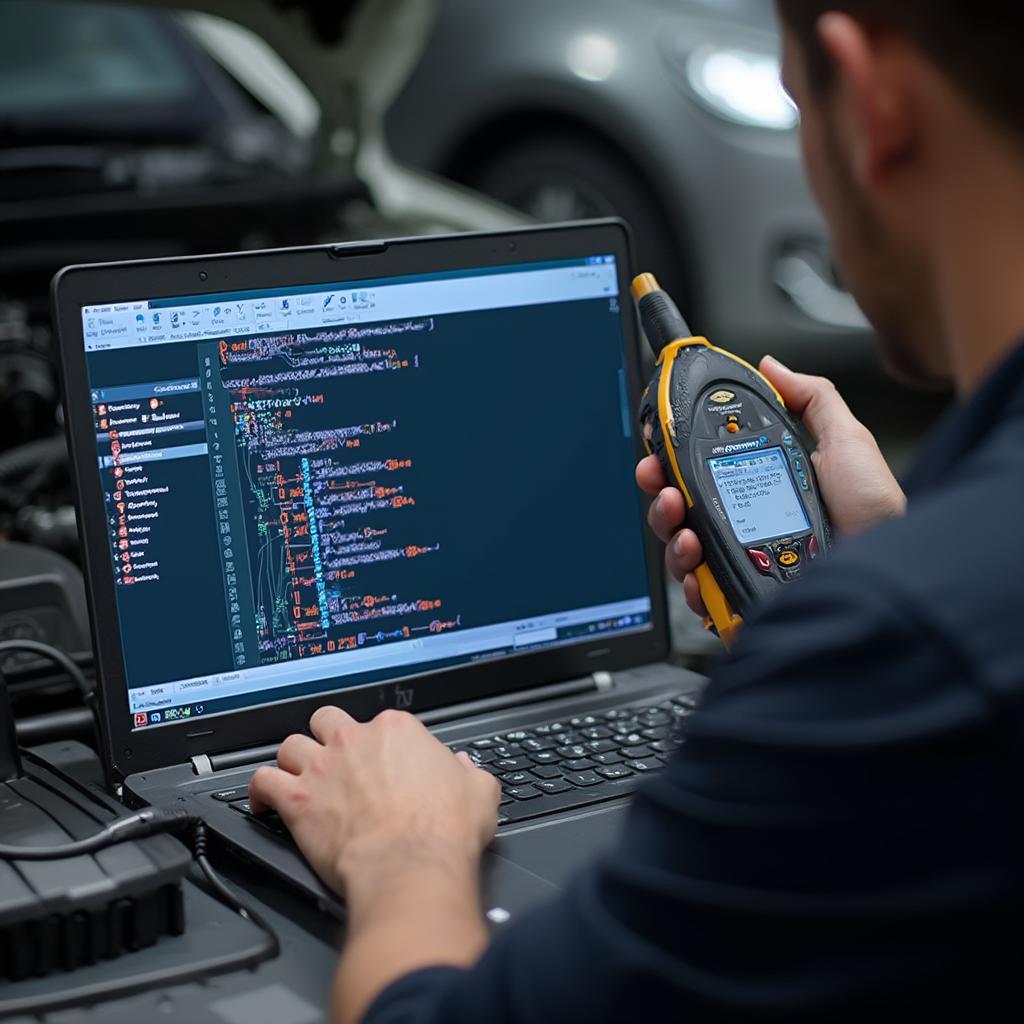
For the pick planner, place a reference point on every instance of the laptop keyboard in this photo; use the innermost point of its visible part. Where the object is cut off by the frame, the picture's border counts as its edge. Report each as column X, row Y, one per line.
column 558, row 765
column 578, row 761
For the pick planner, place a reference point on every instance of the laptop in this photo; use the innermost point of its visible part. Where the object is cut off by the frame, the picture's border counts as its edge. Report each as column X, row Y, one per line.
column 395, row 475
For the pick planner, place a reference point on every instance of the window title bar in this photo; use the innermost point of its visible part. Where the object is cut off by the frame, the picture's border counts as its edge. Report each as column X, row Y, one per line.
column 269, row 311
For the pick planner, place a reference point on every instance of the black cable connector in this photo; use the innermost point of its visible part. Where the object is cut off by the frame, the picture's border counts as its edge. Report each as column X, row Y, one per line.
column 136, row 826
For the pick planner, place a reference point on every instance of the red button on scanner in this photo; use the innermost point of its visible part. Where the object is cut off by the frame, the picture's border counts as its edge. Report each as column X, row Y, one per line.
column 812, row 548
column 761, row 560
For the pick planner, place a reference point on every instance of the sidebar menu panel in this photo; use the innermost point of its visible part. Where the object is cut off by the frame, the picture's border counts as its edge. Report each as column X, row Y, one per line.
column 153, row 454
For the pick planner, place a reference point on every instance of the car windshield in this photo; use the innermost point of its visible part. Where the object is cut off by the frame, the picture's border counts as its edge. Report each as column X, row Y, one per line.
column 57, row 57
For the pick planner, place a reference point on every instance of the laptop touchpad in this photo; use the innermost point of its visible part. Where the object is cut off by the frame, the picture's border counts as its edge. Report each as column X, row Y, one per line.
column 556, row 849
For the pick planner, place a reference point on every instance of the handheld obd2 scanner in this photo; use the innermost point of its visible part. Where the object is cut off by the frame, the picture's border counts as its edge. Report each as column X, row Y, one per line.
column 724, row 438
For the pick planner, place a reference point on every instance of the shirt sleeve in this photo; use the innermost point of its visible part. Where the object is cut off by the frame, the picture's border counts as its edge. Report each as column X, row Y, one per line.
column 821, row 844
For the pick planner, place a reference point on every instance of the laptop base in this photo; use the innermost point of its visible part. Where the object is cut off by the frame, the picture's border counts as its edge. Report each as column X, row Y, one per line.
column 528, row 862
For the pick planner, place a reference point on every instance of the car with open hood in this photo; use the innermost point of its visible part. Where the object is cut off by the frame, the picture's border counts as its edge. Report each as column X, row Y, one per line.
column 144, row 129
column 158, row 128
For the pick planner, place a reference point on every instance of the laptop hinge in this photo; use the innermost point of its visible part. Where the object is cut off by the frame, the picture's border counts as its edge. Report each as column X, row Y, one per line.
column 487, row 705
column 601, row 682
column 207, row 764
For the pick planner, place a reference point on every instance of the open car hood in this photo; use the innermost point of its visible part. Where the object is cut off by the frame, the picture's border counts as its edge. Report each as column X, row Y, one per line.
column 352, row 55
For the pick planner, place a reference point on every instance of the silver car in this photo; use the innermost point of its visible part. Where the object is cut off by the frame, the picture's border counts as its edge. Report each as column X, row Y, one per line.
column 667, row 112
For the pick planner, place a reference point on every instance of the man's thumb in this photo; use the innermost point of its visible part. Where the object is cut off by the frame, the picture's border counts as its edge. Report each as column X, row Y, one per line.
column 813, row 399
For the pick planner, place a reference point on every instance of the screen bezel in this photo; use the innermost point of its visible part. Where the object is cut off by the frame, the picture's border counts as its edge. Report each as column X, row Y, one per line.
column 127, row 751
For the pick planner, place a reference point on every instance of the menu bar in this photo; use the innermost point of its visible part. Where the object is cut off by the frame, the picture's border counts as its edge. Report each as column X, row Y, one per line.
column 134, row 324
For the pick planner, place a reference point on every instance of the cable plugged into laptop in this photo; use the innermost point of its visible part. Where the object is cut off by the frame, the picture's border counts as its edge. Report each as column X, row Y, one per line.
column 139, row 826
column 90, row 909
column 136, row 826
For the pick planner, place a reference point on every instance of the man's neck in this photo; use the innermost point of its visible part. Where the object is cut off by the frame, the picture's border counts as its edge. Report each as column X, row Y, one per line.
column 979, row 269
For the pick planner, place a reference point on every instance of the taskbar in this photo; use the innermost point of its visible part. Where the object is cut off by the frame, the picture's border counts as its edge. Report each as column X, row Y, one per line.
column 529, row 642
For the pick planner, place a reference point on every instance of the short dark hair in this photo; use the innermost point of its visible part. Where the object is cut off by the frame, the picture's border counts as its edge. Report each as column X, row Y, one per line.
column 976, row 44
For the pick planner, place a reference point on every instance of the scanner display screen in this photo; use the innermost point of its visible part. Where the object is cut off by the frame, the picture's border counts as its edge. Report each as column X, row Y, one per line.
column 758, row 495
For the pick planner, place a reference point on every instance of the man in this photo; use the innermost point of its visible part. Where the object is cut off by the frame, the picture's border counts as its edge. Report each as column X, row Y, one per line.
column 843, row 831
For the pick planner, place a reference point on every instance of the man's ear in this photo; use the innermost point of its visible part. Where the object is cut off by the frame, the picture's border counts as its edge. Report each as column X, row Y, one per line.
column 873, row 100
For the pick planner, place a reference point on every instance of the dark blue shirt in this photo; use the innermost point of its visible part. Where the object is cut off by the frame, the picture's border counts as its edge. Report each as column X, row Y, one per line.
column 842, row 834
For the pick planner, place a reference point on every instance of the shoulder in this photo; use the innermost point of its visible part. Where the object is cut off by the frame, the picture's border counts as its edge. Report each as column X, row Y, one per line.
column 952, row 569
column 914, row 622
column 906, row 615
column 847, row 644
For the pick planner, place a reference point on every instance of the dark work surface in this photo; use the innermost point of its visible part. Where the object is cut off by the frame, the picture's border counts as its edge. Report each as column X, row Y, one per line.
column 292, row 989
column 525, row 868
column 213, row 931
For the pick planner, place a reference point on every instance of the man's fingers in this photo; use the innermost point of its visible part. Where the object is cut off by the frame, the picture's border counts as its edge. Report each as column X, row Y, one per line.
column 269, row 789
column 650, row 477
column 296, row 752
column 667, row 513
column 328, row 721
column 814, row 399
column 691, row 590
column 481, row 776
column 490, row 793
column 683, row 555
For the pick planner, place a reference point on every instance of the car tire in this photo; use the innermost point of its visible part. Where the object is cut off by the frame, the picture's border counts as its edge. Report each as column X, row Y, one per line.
column 558, row 178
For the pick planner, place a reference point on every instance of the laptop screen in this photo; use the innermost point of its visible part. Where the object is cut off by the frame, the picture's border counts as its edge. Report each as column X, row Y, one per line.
column 321, row 487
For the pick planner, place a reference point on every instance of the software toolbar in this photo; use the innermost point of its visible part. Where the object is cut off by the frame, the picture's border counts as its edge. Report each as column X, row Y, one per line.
column 162, row 321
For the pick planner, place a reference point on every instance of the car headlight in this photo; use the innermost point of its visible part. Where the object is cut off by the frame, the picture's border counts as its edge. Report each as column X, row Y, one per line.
column 741, row 85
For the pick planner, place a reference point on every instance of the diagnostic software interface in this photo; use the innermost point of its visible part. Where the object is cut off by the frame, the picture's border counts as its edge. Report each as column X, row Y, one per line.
column 311, row 488
column 759, row 497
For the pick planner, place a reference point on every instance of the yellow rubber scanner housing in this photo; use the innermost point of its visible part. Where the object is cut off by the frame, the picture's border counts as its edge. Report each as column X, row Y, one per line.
column 721, row 616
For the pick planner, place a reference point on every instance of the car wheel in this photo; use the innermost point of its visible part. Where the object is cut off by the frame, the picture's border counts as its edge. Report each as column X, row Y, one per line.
column 566, row 178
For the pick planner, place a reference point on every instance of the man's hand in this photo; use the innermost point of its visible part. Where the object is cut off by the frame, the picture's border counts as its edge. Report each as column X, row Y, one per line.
column 855, row 480
column 390, row 817
column 359, row 797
